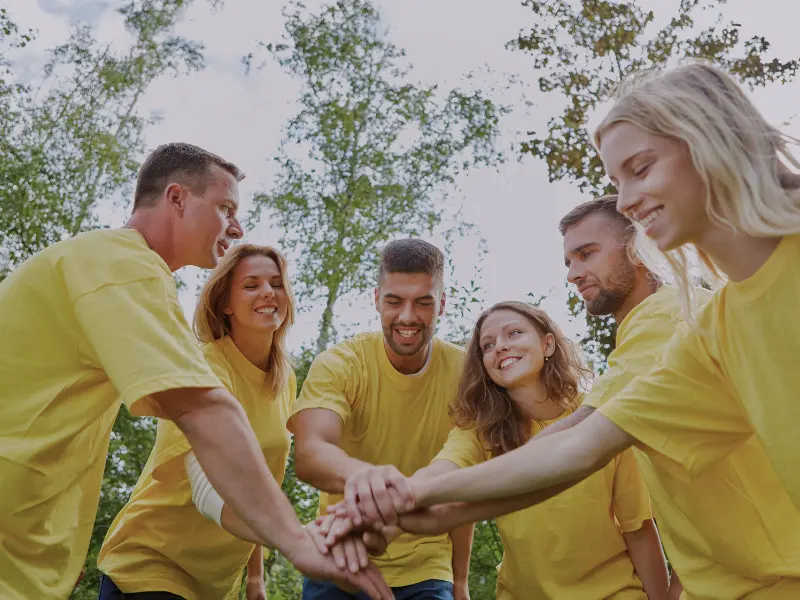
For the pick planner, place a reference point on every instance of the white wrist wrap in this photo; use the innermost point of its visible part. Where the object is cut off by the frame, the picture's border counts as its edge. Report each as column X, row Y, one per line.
column 204, row 496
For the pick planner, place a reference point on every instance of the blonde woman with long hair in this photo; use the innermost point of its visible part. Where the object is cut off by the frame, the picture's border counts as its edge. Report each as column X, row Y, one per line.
column 160, row 543
column 697, row 167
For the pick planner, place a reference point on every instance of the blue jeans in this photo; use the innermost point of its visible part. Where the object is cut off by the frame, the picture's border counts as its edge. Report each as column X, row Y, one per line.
column 432, row 589
column 110, row 591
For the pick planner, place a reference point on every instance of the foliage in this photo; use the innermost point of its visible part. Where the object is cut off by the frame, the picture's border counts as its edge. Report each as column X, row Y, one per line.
column 72, row 138
column 369, row 156
column 583, row 49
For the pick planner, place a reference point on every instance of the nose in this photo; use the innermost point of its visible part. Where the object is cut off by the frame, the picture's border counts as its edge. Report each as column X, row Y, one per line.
column 576, row 273
column 268, row 291
column 627, row 201
column 502, row 344
column 407, row 313
column 235, row 229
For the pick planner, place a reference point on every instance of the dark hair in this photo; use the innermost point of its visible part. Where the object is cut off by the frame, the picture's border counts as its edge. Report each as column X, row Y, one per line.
column 178, row 162
column 484, row 405
column 411, row 256
column 604, row 205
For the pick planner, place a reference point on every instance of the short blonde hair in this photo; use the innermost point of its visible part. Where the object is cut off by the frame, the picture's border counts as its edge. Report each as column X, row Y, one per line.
column 211, row 323
column 743, row 161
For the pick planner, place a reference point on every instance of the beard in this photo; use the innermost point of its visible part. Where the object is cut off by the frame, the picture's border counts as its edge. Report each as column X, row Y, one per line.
column 425, row 336
column 614, row 291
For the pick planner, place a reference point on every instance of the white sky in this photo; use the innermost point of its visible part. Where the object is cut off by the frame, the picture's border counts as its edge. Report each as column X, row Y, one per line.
column 241, row 116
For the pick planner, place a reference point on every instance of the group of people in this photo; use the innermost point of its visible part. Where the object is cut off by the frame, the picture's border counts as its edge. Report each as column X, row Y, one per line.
column 411, row 439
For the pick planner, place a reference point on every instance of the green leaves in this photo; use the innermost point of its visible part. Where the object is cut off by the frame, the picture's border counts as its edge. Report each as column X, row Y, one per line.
column 369, row 156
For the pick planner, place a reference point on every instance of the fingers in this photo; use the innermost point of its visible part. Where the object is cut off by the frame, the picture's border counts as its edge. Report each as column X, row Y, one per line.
column 403, row 497
column 351, row 552
column 325, row 523
column 380, row 496
column 339, row 529
column 317, row 537
column 366, row 506
column 372, row 582
column 339, row 556
column 351, row 500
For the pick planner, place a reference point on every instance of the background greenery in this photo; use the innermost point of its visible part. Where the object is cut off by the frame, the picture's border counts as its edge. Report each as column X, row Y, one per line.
column 350, row 178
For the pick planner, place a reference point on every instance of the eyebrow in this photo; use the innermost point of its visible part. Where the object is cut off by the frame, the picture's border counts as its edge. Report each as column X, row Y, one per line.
column 578, row 250
column 396, row 297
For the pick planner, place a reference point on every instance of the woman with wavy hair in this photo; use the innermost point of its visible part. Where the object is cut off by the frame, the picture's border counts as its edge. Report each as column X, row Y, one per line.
column 596, row 540
column 697, row 167
column 161, row 544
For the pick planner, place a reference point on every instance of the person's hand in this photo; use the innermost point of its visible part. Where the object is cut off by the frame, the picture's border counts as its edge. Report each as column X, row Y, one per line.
column 461, row 590
column 312, row 557
column 375, row 495
column 338, row 528
column 255, row 589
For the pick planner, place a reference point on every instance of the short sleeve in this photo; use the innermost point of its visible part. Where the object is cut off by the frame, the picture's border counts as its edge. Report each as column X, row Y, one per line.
column 683, row 409
column 462, row 448
column 630, row 501
column 639, row 348
column 138, row 335
column 332, row 382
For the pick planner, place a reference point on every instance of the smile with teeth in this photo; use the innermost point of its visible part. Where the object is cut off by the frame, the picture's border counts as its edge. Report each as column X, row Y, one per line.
column 507, row 362
column 650, row 217
column 407, row 333
column 266, row 310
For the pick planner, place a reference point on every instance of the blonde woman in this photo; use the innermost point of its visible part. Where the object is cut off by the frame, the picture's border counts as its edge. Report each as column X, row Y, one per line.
column 696, row 165
column 160, row 543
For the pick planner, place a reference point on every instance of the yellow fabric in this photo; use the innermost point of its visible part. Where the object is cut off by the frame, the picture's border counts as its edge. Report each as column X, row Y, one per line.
column 390, row 418
column 732, row 531
column 159, row 541
column 571, row 546
column 734, row 375
column 85, row 323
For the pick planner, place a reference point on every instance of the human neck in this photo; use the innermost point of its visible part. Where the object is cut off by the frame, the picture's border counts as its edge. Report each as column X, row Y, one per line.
column 156, row 232
column 254, row 346
column 408, row 365
column 646, row 285
column 737, row 254
column 532, row 400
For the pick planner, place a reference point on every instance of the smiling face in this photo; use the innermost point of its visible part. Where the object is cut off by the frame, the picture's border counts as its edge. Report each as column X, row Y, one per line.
column 598, row 263
column 257, row 300
column 657, row 183
column 409, row 304
column 513, row 349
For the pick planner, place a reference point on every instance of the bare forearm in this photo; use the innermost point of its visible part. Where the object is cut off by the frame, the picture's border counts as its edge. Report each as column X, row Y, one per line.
column 255, row 566
column 462, row 549
column 644, row 548
column 567, row 422
column 566, row 457
column 228, row 452
column 325, row 466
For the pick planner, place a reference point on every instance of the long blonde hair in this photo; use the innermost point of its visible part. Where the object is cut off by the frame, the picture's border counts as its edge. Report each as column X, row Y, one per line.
column 211, row 323
column 483, row 404
column 743, row 161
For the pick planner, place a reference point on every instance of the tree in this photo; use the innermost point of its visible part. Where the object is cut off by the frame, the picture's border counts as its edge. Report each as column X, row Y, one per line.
column 72, row 139
column 582, row 50
column 370, row 156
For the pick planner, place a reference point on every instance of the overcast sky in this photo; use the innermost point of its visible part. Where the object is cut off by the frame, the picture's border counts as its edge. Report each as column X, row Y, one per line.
column 241, row 116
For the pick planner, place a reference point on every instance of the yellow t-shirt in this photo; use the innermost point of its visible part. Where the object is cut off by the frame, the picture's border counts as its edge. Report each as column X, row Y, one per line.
column 85, row 324
column 159, row 541
column 731, row 531
column 390, row 419
column 569, row 547
column 736, row 374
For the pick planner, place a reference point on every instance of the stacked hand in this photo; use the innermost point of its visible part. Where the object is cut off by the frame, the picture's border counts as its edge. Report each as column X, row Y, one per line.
column 345, row 562
column 376, row 495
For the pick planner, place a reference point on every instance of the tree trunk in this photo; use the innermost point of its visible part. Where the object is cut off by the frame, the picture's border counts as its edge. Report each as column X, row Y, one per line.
column 326, row 322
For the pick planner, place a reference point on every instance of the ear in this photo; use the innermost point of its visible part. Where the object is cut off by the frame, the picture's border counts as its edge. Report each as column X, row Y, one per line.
column 549, row 345
column 227, row 310
column 175, row 196
column 378, row 299
column 442, row 303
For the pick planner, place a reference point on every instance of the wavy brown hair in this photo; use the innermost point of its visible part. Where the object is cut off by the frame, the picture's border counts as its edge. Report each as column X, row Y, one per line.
column 484, row 405
column 211, row 323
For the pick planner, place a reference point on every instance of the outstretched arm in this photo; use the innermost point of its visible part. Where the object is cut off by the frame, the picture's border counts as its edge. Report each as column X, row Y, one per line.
column 558, row 460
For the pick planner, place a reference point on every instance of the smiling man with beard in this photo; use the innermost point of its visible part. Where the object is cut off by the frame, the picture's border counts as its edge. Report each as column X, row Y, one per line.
column 375, row 408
